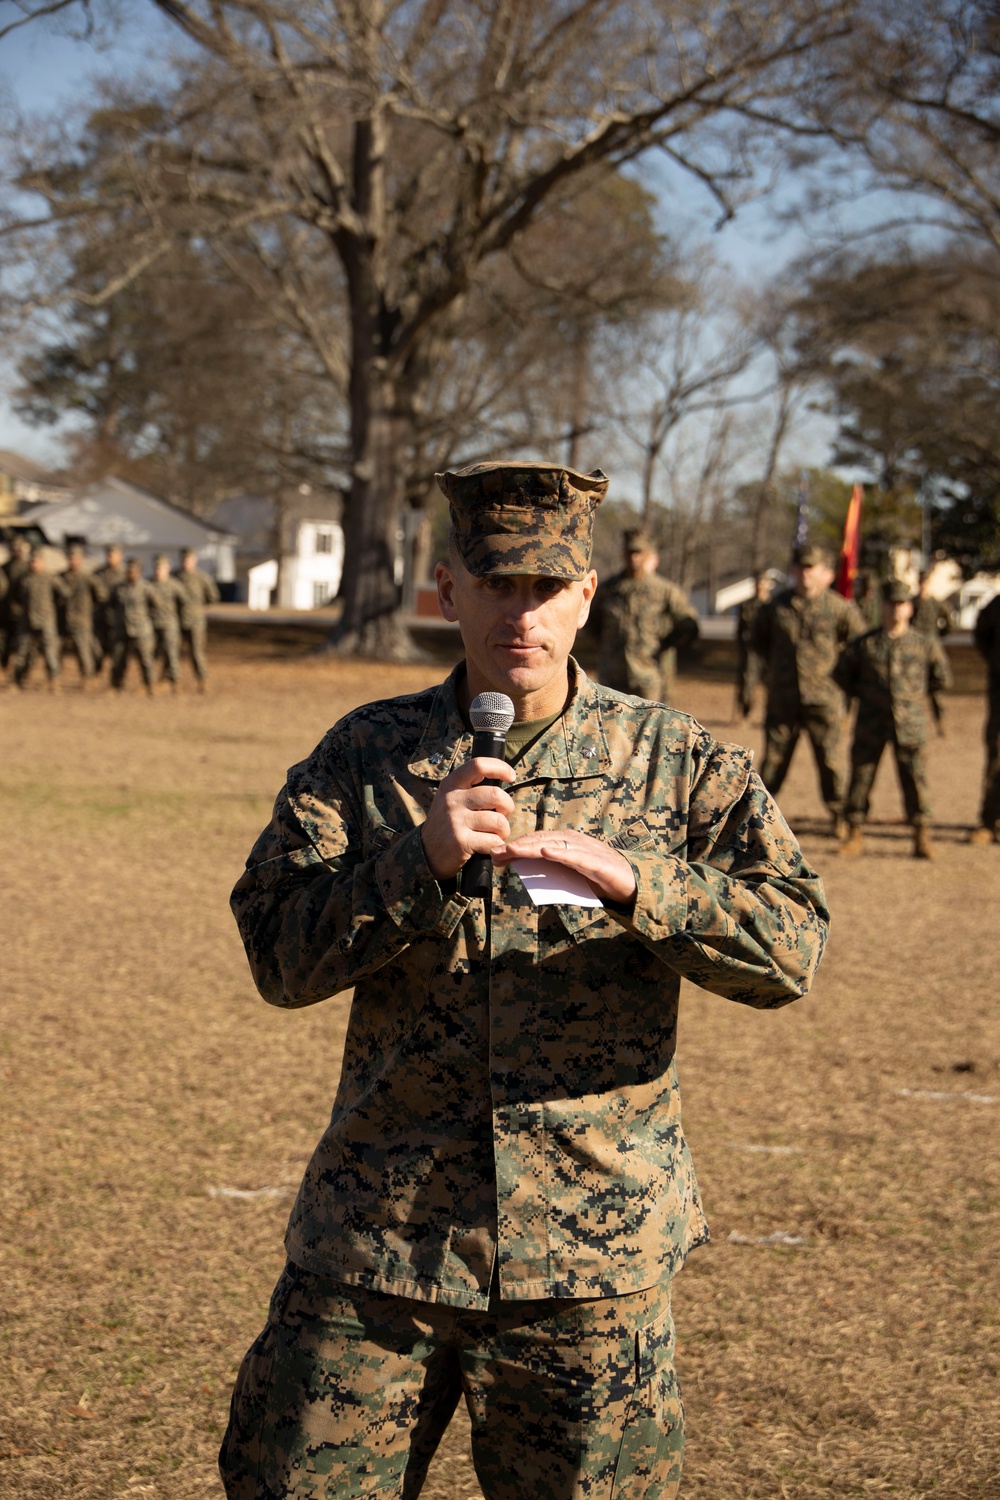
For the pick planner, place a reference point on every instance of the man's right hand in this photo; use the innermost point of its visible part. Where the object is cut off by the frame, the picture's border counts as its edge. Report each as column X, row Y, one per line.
column 467, row 817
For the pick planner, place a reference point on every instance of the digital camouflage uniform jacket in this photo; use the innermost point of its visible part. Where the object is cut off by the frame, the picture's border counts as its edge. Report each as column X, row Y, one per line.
column 508, row 1084
column 35, row 594
column 167, row 598
column 799, row 640
column 199, row 589
column 637, row 620
column 79, row 593
column 133, row 605
column 892, row 677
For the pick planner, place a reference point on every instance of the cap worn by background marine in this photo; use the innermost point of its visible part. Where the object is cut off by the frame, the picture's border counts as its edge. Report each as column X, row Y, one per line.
column 895, row 591
column 523, row 517
column 813, row 557
column 636, row 539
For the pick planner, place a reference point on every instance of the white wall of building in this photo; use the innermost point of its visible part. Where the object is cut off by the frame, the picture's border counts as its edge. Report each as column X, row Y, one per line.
column 309, row 577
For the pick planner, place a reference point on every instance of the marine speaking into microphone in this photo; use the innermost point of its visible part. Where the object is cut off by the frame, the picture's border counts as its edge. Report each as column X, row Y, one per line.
column 503, row 1194
column 491, row 715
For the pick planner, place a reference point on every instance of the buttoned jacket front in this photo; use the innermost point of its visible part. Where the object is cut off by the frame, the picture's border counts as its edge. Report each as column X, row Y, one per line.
column 892, row 678
column 799, row 640
column 508, row 1101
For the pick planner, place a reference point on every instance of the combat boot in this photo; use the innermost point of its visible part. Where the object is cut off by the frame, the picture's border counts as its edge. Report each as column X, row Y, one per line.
column 984, row 835
column 854, row 844
column 922, row 846
column 841, row 828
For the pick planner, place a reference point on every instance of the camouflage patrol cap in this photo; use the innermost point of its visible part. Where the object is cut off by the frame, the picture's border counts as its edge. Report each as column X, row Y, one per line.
column 895, row 591
column 522, row 516
column 813, row 557
column 636, row 539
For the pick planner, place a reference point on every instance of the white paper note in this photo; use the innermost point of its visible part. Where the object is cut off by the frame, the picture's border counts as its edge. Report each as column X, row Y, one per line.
column 552, row 884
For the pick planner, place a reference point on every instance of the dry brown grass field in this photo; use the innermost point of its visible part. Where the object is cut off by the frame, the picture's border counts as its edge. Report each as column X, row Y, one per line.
column 838, row 1338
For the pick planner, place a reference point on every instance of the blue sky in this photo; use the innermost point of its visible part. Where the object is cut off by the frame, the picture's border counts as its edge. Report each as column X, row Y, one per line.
column 43, row 69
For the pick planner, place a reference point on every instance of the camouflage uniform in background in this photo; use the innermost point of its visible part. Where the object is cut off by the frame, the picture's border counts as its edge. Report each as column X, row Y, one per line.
column 37, row 624
column 199, row 590
column 640, row 623
column 799, row 641
column 78, row 594
column 504, row 1190
column 868, row 599
column 891, row 677
column 931, row 617
column 133, row 602
column 986, row 634
column 749, row 662
column 166, row 599
column 4, row 615
column 106, row 580
column 14, row 569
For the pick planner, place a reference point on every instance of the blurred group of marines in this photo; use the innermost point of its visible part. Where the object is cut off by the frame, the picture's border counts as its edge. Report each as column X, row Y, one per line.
column 812, row 652
column 806, row 646
column 105, row 616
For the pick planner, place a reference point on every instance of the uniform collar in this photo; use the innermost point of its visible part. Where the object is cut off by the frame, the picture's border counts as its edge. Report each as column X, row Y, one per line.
column 574, row 746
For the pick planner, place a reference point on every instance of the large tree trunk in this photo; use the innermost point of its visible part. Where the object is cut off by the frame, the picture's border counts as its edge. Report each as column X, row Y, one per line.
column 371, row 623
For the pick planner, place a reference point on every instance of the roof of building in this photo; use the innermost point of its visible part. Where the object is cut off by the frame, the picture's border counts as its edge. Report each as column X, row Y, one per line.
column 252, row 517
column 19, row 467
column 112, row 510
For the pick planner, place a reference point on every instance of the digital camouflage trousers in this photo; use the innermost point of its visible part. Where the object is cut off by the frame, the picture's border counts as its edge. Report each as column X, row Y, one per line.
column 866, row 753
column 347, row 1392
column 824, row 728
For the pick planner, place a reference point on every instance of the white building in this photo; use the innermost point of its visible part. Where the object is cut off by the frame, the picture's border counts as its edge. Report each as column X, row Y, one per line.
column 111, row 511
column 973, row 595
column 304, row 572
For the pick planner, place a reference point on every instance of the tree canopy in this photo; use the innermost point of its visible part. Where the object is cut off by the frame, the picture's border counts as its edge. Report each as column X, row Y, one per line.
column 377, row 172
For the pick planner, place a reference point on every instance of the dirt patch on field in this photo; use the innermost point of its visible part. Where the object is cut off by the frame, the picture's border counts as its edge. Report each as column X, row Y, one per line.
column 839, row 1337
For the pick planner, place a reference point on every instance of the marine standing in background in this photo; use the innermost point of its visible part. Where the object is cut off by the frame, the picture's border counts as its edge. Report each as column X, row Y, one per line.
column 167, row 599
column 14, row 569
column 640, row 619
column 986, row 634
column 799, row 634
column 930, row 615
column 750, row 665
column 868, row 597
column 106, row 579
column 37, row 624
column 199, row 590
column 133, row 627
column 78, row 593
column 892, row 671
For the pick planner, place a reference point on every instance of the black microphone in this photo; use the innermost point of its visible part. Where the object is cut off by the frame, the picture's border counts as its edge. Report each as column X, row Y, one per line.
column 492, row 714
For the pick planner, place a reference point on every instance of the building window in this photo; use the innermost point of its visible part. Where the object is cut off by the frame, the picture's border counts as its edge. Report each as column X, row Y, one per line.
column 324, row 541
column 321, row 595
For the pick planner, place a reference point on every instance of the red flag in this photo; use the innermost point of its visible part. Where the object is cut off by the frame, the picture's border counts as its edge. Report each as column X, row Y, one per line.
column 850, row 547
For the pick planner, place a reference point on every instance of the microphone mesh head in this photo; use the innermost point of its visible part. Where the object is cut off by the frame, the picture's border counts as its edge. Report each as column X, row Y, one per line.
column 492, row 711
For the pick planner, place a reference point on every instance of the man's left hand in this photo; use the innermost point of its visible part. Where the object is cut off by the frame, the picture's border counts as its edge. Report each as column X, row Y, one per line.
column 607, row 870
